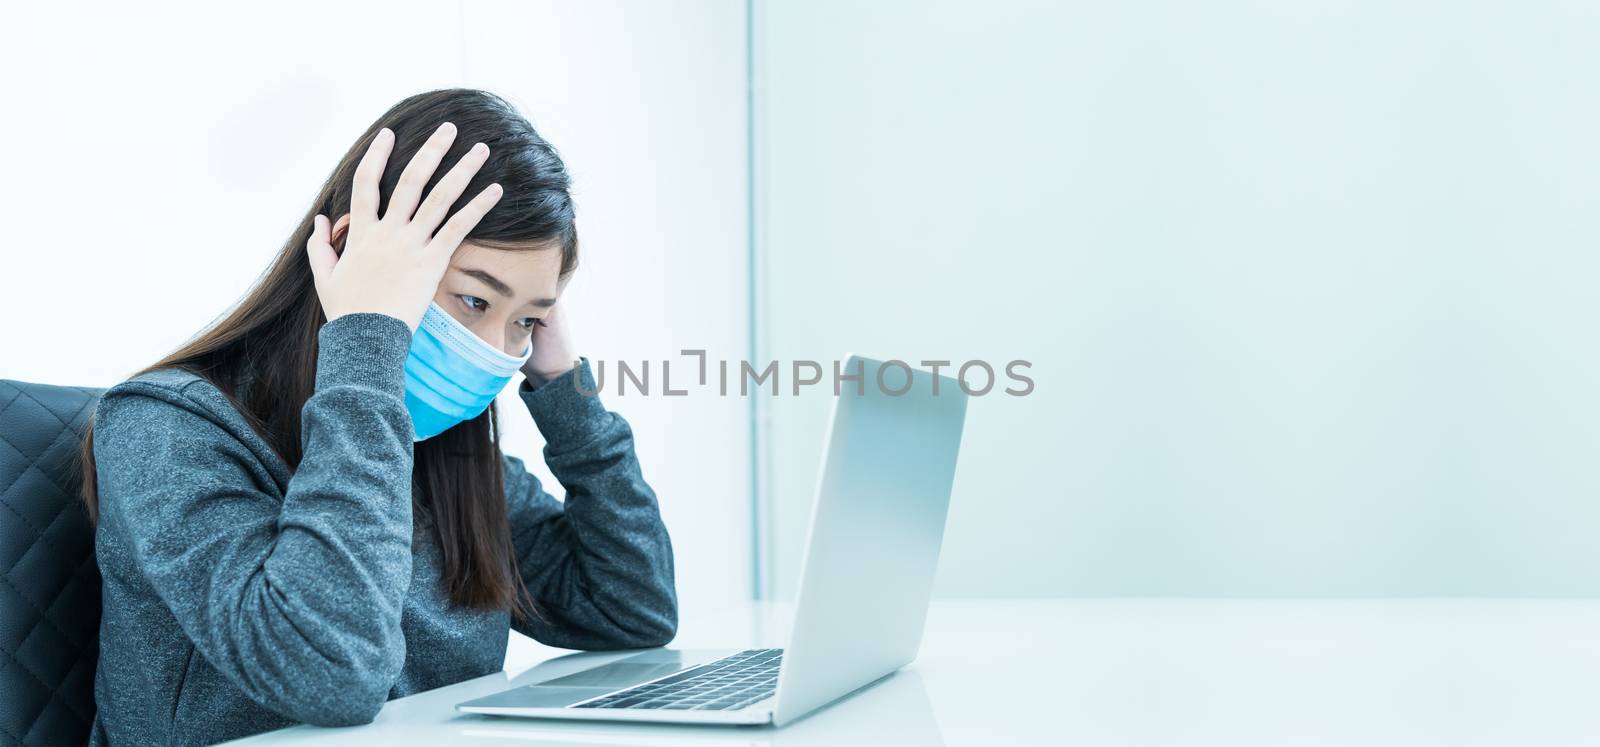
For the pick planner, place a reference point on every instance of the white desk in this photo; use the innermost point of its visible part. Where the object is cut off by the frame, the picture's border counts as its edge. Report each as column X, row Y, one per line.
column 1098, row 672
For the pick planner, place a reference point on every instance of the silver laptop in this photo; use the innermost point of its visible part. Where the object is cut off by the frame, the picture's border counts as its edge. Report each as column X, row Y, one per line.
column 865, row 580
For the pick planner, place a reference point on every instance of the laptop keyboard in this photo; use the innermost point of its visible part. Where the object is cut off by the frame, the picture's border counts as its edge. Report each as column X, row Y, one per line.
column 727, row 684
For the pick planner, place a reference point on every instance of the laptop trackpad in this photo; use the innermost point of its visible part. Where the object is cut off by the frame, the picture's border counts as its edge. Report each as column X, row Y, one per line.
column 596, row 681
column 590, row 683
column 539, row 696
column 615, row 675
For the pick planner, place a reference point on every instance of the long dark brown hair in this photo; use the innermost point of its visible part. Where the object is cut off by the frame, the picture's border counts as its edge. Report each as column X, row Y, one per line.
column 270, row 336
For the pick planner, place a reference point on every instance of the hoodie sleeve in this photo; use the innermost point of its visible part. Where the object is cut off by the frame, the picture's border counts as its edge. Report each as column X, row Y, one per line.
column 598, row 566
column 296, row 598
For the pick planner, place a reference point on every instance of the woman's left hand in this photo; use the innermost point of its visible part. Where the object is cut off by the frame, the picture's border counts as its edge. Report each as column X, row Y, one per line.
column 553, row 350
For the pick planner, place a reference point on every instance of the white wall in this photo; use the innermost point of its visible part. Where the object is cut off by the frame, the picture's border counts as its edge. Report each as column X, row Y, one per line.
column 1306, row 287
column 159, row 156
column 1309, row 287
column 646, row 102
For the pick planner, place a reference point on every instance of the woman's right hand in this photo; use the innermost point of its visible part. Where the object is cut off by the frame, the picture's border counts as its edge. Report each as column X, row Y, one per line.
column 393, row 264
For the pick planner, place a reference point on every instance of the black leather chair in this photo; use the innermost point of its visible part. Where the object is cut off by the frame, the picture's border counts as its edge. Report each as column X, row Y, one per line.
column 49, row 583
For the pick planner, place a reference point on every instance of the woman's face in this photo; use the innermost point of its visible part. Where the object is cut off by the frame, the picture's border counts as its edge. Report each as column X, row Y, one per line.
column 501, row 295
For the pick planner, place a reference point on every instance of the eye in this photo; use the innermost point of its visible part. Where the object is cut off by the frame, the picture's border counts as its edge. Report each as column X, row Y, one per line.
column 473, row 301
column 532, row 322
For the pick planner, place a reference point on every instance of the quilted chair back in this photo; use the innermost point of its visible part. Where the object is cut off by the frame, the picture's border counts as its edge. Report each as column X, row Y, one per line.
column 49, row 583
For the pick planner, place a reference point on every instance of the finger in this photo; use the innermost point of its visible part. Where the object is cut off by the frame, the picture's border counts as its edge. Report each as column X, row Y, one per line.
column 553, row 317
column 409, row 190
column 364, row 192
column 456, row 229
column 318, row 251
column 449, row 189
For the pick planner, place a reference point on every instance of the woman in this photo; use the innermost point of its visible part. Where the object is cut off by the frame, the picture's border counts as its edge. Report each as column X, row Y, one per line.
column 305, row 512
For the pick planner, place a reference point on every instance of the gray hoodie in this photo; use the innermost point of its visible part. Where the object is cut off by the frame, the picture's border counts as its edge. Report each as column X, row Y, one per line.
column 241, row 597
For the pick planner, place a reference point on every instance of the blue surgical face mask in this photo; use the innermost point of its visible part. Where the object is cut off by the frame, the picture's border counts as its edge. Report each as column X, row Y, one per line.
column 452, row 375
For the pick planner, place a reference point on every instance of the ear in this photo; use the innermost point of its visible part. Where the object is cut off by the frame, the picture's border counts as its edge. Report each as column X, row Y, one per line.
column 341, row 229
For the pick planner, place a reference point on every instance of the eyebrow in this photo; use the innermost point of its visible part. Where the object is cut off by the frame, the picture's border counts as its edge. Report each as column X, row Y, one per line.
column 499, row 287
